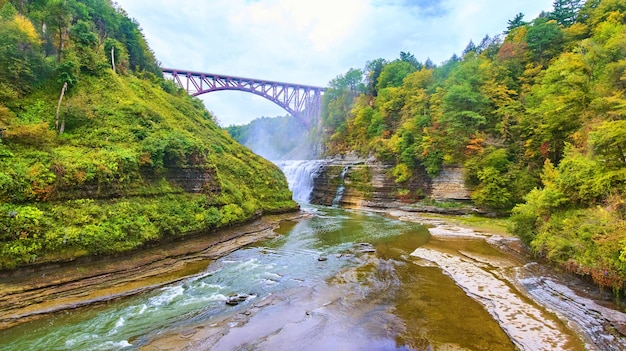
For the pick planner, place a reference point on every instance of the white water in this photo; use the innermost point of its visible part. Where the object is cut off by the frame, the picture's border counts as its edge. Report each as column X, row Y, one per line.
column 300, row 175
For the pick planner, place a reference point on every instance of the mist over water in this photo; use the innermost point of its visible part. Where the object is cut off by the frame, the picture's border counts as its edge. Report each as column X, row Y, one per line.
column 291, row 145
column 279, row 138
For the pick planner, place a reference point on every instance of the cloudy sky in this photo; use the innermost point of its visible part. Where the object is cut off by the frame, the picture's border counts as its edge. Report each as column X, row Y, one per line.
column 309, row 42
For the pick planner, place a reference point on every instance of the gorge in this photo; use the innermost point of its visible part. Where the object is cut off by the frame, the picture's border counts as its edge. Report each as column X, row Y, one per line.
column 130, row 219
column 400, row 281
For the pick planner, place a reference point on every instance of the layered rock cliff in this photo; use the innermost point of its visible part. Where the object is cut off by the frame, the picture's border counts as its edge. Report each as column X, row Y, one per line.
column 368, row 183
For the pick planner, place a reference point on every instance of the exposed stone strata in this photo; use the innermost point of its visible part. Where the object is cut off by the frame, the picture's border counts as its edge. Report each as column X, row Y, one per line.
column 327, row 181
column 192, row 179
column 380, row 189
column 449, row 185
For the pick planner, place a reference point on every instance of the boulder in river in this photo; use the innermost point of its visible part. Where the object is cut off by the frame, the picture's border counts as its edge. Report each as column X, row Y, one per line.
column 364, row 248
column 235, row 299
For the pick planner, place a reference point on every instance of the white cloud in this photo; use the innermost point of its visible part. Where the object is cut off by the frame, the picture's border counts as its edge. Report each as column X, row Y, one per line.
column 309, row 42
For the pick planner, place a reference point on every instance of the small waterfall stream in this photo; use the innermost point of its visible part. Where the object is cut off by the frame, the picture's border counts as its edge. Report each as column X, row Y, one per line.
column 300, row 175
column 342, row 187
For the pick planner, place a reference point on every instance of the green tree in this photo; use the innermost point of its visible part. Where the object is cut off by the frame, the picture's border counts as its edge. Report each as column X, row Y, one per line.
column 545, row 39
column 489, row 46
column 58, row 17
column 410, row 58
column 120, row 55
column 140, row 55
column 416, row 96
column 389, row 104
column 594, row 12
column 561, row 100
column 372, row 72
column 470, row 49
column 565, row 11
column 516, row 22
column 83, row 35
column 464, row 105
column 20, row 53
column 353, row 81
column 428, row 64
column 493, row 190
column 393, row 73
column 609, row 142
column 8, row 11
column 339, row 98
column 85, row 46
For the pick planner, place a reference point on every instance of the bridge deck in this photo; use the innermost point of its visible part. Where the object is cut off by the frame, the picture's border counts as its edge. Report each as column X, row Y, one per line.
column 225, row 76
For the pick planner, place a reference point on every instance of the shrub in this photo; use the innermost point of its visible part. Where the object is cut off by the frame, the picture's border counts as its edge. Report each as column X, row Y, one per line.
column 401, row 173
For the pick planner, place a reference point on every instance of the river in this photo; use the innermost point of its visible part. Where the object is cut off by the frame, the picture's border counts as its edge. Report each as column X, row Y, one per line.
column 334, row 280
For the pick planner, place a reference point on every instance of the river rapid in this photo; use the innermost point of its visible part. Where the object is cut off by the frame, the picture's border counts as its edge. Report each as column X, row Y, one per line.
column 339, row 279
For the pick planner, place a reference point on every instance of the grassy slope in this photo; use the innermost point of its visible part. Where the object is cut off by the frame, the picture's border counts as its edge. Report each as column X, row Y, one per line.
column 112, row 181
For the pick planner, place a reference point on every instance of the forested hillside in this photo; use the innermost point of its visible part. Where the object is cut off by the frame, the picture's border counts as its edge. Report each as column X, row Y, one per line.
column 536, row 116
column 98, row 153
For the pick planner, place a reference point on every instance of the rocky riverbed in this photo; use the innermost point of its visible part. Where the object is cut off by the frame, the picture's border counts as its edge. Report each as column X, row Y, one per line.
column 497, row 284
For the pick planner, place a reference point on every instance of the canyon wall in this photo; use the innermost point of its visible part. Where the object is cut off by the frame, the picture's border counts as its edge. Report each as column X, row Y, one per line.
column 368, row 183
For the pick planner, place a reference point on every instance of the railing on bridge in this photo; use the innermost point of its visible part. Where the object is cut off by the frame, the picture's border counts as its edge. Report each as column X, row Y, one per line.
column 301, row 101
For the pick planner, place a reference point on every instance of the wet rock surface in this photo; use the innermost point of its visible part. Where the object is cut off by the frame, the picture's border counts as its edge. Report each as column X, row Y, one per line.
column 313, row 317
column 604, row 328
column 498, row 284
column 235, row 299
column 364, row 248
column 526, row 324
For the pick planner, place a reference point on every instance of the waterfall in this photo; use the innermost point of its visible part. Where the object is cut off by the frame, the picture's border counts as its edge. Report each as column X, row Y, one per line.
column 342, row 187
column 300, row 175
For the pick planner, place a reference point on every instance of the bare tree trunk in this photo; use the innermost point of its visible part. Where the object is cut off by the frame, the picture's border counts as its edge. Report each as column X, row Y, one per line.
column 56, row 122
column 62, row 128
column 113, row 58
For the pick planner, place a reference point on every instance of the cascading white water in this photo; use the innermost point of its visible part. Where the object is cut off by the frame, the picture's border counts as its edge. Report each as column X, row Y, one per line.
column 342, row 187
column 300, row 176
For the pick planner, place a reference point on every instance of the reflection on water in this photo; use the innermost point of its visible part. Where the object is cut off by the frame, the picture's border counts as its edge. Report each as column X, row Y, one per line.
column 378, row 301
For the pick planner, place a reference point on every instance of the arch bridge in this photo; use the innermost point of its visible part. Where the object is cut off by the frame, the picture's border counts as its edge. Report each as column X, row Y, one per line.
column 304, row 102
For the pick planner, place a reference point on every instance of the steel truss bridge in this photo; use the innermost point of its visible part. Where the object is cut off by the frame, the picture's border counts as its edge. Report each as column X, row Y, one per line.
column 304, row 102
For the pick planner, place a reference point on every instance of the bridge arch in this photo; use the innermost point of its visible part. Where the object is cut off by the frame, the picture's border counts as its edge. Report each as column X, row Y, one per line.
column 301, row 101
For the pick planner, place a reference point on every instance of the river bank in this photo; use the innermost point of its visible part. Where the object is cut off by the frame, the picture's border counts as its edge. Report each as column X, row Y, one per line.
column 496, row 284
column 33, row 292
